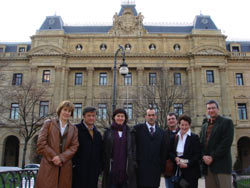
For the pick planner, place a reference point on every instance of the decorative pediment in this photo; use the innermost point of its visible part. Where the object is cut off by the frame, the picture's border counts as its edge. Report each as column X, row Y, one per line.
column 46, row 50
column 127, row 23
column 209, row 50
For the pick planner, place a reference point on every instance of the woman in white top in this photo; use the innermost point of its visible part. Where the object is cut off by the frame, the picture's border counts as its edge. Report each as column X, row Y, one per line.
column 187, row 152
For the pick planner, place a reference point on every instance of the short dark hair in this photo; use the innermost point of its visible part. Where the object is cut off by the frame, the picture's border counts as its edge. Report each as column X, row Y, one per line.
column 173, row 114
column 213, row 102
column 88, row 109
column 185, row 118
column 120, row 111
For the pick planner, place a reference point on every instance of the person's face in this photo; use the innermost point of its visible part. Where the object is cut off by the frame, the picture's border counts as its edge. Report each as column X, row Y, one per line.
column 171, row 122
column 212, row 110
column 90, row 118
column 119, row 118
column 65, row 114
column 151, row 117
column 184, row 127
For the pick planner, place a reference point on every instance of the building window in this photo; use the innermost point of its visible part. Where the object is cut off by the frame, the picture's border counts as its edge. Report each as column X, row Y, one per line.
column 102, row 111
column 77, row 111
column 46, row 76
column 21, row 49
column 17, row 79
column 78, row 47
column 128, row 47
column 152, row 47
column 177, row 78
column 235, row 49
column 152, row 78
column 239, row 79
column 177, row 47
column 128, row 79
column 103, row 79
column 242, row 111
column 129, row 109
column 78, row 78
column 178, row 109
column 44, row 108
column 103, row 47
column 14, row 111
column 1, row 49
column 210, row 76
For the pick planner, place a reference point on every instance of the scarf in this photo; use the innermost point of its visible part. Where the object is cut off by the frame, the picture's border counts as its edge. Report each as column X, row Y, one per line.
column 118, row 169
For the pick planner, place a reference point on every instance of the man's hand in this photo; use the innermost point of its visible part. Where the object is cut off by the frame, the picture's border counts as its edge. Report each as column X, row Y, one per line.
column 207, row 159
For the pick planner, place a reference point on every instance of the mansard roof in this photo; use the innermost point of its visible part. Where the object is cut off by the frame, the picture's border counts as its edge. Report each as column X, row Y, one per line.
column 244, row 45
column 132, row 7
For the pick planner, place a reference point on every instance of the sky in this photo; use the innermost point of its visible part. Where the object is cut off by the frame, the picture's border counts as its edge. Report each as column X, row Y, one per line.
column 19, row 20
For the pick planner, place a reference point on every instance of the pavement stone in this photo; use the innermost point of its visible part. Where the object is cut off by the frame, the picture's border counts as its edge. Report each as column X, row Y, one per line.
column 201, row 183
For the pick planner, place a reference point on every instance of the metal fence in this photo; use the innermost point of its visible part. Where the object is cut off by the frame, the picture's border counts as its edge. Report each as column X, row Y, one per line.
column 18, row 178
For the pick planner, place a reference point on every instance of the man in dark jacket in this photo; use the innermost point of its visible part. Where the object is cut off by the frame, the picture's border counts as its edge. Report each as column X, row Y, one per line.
column 216, row 139
column 170, row 134
column 151, row 151
column 87, row 162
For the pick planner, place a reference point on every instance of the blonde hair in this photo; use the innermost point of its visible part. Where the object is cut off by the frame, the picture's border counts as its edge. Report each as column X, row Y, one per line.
column 67, row 104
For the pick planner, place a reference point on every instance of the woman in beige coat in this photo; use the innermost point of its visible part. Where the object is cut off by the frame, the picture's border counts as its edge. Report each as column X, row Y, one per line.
column 57, row 143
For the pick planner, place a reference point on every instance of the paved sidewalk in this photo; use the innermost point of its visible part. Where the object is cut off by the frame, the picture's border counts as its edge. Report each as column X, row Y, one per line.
column 201, row 183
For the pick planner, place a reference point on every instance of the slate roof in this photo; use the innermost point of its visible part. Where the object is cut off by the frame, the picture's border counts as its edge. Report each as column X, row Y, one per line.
column 12, row 47
column 86, row 29
column 128, row 6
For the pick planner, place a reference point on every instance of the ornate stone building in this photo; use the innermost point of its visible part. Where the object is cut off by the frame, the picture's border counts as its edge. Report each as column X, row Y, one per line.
column 76, row 63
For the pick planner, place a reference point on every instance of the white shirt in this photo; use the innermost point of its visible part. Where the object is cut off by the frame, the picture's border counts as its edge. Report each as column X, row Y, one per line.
column 149, row 126
column 181, row 142
column 62, row 129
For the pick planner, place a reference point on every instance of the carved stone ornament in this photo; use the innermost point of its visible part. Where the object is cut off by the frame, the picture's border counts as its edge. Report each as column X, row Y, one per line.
column 47, row 51
column 210, row 51
column 127, row 23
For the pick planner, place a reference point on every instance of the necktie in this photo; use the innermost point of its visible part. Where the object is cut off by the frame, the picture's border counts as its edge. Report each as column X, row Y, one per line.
column 151, row 130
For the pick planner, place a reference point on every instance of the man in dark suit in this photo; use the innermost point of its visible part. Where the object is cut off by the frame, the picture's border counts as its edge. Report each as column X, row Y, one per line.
column 151, row 151
column 216, row 140
column 87, row 162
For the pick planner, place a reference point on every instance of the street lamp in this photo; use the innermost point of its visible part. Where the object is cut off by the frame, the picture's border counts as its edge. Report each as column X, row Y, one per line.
column 123, row 71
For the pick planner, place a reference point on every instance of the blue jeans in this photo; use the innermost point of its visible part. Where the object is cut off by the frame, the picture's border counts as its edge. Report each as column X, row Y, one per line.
column 119, row 186
column 168, row 182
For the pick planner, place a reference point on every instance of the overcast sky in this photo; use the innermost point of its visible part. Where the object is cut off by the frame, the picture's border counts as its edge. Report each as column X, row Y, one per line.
column 20, row 19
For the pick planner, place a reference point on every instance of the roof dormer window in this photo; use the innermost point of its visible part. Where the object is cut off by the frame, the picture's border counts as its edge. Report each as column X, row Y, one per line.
column 21, row 49
column 235, row 49
column 1, row 50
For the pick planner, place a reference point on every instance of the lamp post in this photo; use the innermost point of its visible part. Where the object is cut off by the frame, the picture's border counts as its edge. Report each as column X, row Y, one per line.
column 123, row 71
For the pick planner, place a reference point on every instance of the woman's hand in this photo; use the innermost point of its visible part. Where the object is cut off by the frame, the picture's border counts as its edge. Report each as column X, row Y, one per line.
column 177, row 160
column 183, row 165
column 57, row 161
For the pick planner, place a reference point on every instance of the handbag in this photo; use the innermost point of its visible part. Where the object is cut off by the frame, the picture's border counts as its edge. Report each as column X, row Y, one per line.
column 169, row 168
column 178, row 180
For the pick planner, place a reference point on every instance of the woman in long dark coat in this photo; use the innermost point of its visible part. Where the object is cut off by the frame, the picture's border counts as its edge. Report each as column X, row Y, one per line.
column 187, row 152
column 119, row 153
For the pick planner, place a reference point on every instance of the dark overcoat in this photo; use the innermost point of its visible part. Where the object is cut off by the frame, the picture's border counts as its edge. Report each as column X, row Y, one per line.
column 150, row 154
column 87, row 162
column 108, row 141
column 219, row 145
column 192, row 152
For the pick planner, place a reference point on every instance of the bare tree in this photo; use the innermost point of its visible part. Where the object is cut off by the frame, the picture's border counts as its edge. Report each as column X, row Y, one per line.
column 162, row 96
column 28, row 121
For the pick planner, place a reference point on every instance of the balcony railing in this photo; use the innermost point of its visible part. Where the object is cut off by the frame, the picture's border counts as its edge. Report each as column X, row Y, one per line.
column 18, row 178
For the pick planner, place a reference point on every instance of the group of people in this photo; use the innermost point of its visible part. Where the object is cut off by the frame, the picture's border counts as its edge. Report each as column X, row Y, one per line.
column 129, row 157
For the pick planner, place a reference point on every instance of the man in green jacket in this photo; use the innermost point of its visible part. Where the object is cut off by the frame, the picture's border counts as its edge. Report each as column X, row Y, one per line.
column 216, row 139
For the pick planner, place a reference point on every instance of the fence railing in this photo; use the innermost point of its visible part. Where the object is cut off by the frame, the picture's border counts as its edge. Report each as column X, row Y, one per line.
column 18, row 178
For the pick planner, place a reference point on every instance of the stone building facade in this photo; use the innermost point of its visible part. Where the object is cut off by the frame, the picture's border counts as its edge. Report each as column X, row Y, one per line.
column 76, row 63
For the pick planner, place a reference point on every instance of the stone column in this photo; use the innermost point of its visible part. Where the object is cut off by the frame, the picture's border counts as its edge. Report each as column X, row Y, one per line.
column 2, row 154
column 140, row 82
column 89, row 92
column 225, row 102
column 57, row 86
column 197, row 95
column 65, row 82
column 33, row 74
